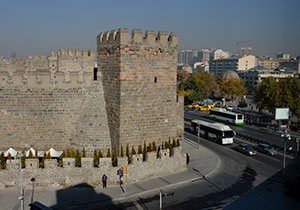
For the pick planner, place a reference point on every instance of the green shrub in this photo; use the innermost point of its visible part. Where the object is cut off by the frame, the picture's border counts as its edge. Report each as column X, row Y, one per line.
column 77, row 158
column 122, row 151
column 154, row 148
column 140, row 149
column 108, row 153
column 133, row 152
column 83, row 152
column 61, row 159
column 9, row 156
column 2, row 161
column 23, row 159
column 42, row 163
column 96, row 158
column 30, row 155
column 36, row 154
column 49, row 155
column 174, row 142
column 73, row 154
column 69, row 153
column 127, row 151
column 100, row 155
column 115, row 157
column 145, row 151
column 150, row 147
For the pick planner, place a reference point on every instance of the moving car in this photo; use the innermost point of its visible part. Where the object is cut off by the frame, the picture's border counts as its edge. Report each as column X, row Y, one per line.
column 266, row 149
column 246, row 149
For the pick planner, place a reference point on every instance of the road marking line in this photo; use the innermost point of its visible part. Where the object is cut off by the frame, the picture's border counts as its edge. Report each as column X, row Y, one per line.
column 137, row 205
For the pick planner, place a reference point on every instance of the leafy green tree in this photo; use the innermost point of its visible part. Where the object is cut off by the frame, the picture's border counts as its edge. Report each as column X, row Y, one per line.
column 83, row 152
column 232, row 88
column 202, row 85
column 2, row 161
column 271, row 93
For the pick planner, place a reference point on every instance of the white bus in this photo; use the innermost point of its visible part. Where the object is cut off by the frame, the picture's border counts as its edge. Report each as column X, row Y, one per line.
column 226, row 116
column 217, row 132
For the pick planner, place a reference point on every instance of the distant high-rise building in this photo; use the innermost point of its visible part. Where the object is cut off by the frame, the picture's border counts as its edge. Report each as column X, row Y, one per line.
column 219, row 66
column 244, row 51
column 203, row 55
column 283, row 55
column 219, row 54
column 246, row 62
column 268, row 63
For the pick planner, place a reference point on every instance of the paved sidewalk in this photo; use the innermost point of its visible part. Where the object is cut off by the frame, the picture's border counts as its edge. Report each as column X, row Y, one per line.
column 203, row 162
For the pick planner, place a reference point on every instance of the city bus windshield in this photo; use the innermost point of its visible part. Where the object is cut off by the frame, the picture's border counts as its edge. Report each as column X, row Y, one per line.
column 228, row 134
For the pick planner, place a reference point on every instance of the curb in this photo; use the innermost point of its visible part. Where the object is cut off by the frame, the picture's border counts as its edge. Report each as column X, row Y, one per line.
column 156, row 189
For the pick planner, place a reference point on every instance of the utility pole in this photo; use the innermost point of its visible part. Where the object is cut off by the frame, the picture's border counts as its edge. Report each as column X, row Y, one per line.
column 199, row 136
column 21, row 184
column 286, row 137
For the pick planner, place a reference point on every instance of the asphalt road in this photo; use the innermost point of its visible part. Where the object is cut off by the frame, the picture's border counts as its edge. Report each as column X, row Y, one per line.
column 260, row 133
column 236, row 175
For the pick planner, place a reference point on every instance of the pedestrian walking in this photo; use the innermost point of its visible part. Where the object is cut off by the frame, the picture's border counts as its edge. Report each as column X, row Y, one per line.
column 104, row 180
column 187, row 158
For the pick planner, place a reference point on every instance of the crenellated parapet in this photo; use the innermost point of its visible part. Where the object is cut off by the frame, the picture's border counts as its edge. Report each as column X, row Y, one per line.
column 121, row 37
column 62, row 66
column 53, row 174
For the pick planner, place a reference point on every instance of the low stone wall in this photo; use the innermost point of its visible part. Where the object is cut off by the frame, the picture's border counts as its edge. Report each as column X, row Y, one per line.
column 54, row 176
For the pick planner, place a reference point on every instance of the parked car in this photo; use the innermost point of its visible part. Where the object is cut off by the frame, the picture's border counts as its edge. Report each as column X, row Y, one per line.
column 266, row 149
column 246, row 149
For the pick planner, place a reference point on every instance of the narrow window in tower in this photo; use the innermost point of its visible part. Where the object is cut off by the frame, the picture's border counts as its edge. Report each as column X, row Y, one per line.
column 95, row 73
column 155, row 79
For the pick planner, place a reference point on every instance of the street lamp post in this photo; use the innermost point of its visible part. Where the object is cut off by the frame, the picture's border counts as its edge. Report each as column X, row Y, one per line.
column 21, row 185
column 286, row 137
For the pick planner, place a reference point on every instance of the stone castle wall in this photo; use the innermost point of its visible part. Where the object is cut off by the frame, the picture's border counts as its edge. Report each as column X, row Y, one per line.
column 69, row 175
column 139, row 79
column 52, row 101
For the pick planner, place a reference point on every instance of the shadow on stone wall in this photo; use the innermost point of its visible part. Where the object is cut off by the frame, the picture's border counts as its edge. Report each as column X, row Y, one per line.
column 82, row 196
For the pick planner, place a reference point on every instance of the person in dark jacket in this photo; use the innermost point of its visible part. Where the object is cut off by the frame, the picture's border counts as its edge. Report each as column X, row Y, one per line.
column 104, row 180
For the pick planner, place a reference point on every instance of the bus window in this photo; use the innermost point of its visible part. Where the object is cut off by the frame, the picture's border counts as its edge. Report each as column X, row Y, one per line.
column 240, row 117
column 228, row 134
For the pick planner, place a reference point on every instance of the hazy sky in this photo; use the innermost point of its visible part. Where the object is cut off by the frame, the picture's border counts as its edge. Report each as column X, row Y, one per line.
column 29, row 27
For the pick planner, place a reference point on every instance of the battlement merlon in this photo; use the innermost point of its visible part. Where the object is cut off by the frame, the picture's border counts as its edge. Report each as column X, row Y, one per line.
column 122, row 37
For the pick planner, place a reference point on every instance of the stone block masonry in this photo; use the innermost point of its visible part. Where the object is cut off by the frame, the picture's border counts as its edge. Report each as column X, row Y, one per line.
column 52, row 101
column 54, row 176
column 139, row 80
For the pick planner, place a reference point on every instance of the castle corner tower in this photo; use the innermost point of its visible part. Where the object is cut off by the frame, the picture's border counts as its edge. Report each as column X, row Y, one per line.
column 139, row 81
